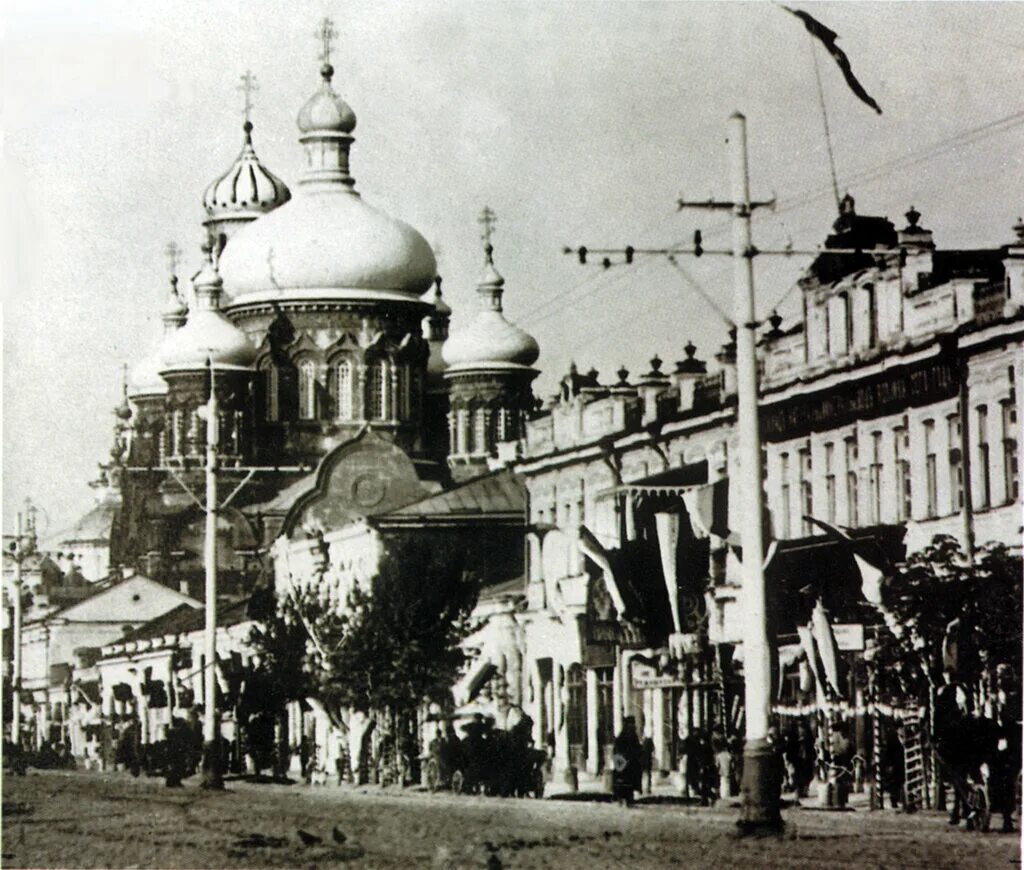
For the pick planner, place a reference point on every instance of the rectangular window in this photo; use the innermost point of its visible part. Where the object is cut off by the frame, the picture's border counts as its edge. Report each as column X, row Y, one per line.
column 956, row 465
column 875, row 477
column 806, row 495
column 852, row 494
column 872, row 315
column 1011, row 468
column 830, row 483
column 984, row 471
column 787, row 506
column 931, row 469
column 904, row 482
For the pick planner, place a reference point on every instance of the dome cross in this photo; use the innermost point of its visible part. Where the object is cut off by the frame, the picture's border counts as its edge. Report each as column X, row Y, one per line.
column 173, row 257
column 487, row 220
column 248, row 87
column 326, row 35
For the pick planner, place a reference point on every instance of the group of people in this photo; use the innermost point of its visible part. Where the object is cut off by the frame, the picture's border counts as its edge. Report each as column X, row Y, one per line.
column 711, row 763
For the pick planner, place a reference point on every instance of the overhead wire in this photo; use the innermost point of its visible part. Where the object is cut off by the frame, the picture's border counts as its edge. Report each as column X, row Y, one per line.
column 798, row 200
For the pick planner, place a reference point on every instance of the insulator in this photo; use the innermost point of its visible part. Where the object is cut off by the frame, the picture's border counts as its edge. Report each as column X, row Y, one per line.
column 606, row 263
column 583, row 256
column 698, row 243
column 629, row 253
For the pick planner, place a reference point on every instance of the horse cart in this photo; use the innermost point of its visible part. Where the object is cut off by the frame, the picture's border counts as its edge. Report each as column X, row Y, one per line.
column 486, row 760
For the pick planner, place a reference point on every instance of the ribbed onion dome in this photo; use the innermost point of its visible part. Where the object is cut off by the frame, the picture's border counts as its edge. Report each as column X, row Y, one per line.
column 490, row 341
column 247, row 190
column 326, row 242
column 145, row 379
column 208, row 334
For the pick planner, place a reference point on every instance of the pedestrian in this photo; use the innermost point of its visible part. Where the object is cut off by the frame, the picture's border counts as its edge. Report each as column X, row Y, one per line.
column 179, row 740
column 842, row 763
column 723, row 764
column 647, row 748
column 627, row 761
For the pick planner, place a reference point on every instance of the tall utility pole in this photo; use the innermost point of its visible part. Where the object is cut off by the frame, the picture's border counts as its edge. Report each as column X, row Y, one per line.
column 213, row 775
column 759, row 805
column 19, row 555
column 212, row 764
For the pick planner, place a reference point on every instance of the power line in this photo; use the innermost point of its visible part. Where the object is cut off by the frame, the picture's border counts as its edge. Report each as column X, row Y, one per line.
column 798, row 200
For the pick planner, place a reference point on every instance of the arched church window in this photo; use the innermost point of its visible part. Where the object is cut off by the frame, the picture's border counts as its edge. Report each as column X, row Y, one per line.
column 341, row 371
column 480, row 430
column 377, row 390
column 269, row 384
column 404, row 401
column 307, row 390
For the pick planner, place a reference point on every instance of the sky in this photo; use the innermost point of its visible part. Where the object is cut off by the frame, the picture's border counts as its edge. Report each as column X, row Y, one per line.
column 577, row 123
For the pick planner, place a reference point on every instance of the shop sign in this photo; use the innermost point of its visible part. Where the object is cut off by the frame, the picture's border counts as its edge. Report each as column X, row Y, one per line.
column 885, row 393
column 849, row 636
column 645, row 676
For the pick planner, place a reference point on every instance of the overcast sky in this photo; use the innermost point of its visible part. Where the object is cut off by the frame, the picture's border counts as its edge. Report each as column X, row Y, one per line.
column 577, row 123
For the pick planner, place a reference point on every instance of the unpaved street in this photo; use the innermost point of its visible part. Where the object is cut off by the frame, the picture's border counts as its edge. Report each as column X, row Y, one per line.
column 104, row 820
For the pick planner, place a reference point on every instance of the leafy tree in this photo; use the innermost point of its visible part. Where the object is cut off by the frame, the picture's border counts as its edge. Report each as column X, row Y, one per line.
column 958, row 615
column 396, row 643
column 277, row 676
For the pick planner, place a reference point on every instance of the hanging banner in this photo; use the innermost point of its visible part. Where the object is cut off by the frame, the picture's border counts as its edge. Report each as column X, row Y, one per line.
column 668, row 542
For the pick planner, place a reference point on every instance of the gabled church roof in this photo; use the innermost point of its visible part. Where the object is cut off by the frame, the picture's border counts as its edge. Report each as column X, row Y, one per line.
column 498, row 495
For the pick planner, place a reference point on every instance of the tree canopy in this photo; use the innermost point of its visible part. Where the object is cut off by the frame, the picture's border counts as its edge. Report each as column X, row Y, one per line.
column 960, row 616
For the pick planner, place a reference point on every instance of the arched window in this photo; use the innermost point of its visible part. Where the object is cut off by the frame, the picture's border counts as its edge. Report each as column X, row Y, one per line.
column 480, row 444
column 307, row 390
column 403, row 402
column 341, row 371
column 377, row 390
column 270, row 387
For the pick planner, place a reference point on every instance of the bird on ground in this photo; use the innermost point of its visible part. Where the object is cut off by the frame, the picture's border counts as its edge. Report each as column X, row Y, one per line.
column 307, row 838
column 338, row 835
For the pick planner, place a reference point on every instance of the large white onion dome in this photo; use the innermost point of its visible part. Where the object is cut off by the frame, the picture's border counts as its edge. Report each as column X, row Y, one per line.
column 326, row 241
column 144, row 379
column 208, row 334
column 490, row 341
column 247, row 190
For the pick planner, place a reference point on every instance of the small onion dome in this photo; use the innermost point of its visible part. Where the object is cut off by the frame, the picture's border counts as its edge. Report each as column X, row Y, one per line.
column 490, row 340
column 434, row 298
column 325, row 111
column 145, row 379
column 175, row 309
column 208, row 334
column 247, row 189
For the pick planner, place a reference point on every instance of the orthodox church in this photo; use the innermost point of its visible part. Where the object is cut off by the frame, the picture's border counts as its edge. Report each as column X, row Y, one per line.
column 321, row 323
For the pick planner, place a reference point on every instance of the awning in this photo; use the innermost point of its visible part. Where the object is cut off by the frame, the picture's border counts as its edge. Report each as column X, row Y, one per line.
column 673, row 481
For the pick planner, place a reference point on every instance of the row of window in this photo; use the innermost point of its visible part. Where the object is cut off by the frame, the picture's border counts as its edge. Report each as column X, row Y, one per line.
column 874, row 471
column 478, row 430
column 185, row 434
column 340, row 392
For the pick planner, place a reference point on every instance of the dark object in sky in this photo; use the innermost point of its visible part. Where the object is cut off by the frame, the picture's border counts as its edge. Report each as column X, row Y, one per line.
column 828, row 39
column 307, row 838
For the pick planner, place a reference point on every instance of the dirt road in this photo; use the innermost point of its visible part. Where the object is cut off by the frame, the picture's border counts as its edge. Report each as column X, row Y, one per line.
column 76, row 819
